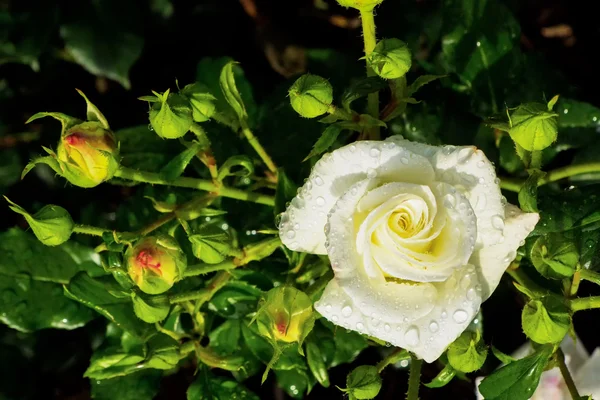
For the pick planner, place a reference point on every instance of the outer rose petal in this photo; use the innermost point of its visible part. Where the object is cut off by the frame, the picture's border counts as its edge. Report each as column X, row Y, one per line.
column 468, row 170
column 586, row 378
column 302, row 224
column 492, row 261
column 427, row 336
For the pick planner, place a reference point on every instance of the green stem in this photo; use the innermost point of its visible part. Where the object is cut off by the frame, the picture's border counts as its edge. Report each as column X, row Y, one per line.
column 204, row 294
column 414, row 378
column 585, row 303
column 590, row 276
column 392, row 358
column 514, row 185
column 253, row 140
column 560, row 358
column 368, row 26
column 187, row 348
column 575, row 283
column 201, row 269
column 192, row 183
column 89, row 230
column 536, row 159
column 156, row 224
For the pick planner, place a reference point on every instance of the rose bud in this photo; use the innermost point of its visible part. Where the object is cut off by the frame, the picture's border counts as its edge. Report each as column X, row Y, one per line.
column 286, row 315
column 89, row 153
column 390, row 59
column 311, row 95
column 155, row 263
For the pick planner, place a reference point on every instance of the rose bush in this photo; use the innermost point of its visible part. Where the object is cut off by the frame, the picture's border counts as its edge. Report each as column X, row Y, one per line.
column 417, row 235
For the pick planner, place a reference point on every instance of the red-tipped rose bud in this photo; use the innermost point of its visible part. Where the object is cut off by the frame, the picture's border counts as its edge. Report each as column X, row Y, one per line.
column 155, row 263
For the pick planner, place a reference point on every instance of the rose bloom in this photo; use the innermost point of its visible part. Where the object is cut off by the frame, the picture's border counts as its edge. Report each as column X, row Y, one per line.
column 417, row 236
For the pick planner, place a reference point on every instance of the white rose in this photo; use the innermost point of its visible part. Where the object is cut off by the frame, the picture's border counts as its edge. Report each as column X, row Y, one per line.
column 417, row 236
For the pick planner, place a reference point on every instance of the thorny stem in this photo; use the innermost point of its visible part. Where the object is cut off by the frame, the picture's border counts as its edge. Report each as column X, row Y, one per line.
column 193, row 183
column 585, row 303
column 590, row 276
column 414, row 378
column 392, row 358
column 368, row 26
column 90, row 230
column 514, row 184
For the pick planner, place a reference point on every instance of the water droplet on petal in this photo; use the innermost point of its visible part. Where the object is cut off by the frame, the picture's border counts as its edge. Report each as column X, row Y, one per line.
column 460, row 316
column 480, row 163
column 449, row 201
column 347, row 311
column 375, row 152
column 320, row 201
column 371, row 173
column 412, row 336
column 352, row 148
column 404, row 160
column 290, row 234
column 360, row 326
column 481, row 202
column 444, row 314
column 433, row 326
column 387, row 327
column 328, row 307
column 498, row 222
column 334, row 318
column 470, row 294
column 318, row 181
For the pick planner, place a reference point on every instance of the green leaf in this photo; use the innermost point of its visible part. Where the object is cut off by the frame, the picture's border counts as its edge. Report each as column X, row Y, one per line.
column 502, row 357
column 231, row 92
column 295, row 382
column 443, row 378
column 555, row 256
column 328, row 138
column 236, row 166
column 528, row 192
column 65, row 120
column 361, row 88
column 93, row 113
column 142, row 385
column 150, row 309
column 210, row 244
column 105, row 39
column 533, row 126
column 207, row 386
column 546, row 320
column 420, row 82
column 348, row 344
column 390, row 59
column 235, row 300
column 289, row 358
column 517, row 380
column 177, row 165
column 363, row 382
column 467, row 353
column 52, row 225
column 509, row 160
column 316, row 363
column 10, row 168
column 140, row 148
column 225, row 339
column 99, row 294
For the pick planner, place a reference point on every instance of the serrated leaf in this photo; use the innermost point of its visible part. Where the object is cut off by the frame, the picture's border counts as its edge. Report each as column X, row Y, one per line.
column 528, row 192
column 363, row 382
column 467, row 353
column 517, row 380
column 150, row 309
column 502, row 357
column 207, row 386
column 142, row 385
column 420, row 82
column 555, row 256
column 210, row 244
column 177, row 165
column 327, row 138
column 360, row 89
column 546, row 320
column 533, row 127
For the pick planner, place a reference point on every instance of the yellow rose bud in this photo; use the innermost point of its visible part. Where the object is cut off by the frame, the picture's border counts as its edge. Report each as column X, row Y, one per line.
column 155, row 263
column 88, row 151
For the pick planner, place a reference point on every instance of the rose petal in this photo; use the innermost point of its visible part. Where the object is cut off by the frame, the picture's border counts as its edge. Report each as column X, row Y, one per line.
column 492, row 261
column 467, row 169
column 428, row 336
column 586, row 378
column 302, row 225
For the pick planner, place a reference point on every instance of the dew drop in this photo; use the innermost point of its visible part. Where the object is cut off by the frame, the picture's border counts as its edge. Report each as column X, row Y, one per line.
column 498, row 222
column 334, row 318
column 433, row 326
column 465, row 282
column 471, row 294
column 412, row 336
column 360, row 326
column 387, row 327
column 352, row 148
column 290, row 234
column 375, row 152
column 319, row 181
column 353, row 191
column 460, row 316
column 328, row 307
column 320, row 201
column 480, row 163
column 444, row 314
column 481, row 202
column 347, row 311
column 449, row 201
column 371, row 173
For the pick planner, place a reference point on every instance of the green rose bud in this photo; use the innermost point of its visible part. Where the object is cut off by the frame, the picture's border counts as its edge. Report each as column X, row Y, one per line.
column 468, row 352
column 202, row 102
column 286, row 315
column 534, row 126
column 155, row 263
column 363, row 382
column 390, row 59
column 52, row 225
column 171, row 115
column 311, row 96
column 88, row 153
column 359, row 4
column 546, row 320
column 555, row 256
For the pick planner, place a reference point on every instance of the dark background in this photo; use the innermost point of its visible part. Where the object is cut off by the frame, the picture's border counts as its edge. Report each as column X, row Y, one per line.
column 173, row 46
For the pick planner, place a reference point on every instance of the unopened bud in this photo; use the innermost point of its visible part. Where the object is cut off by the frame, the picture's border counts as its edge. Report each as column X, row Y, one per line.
column 171, row 115
column 390, row 59
column 311, row 95
column 202, row 102
column 155, row 263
